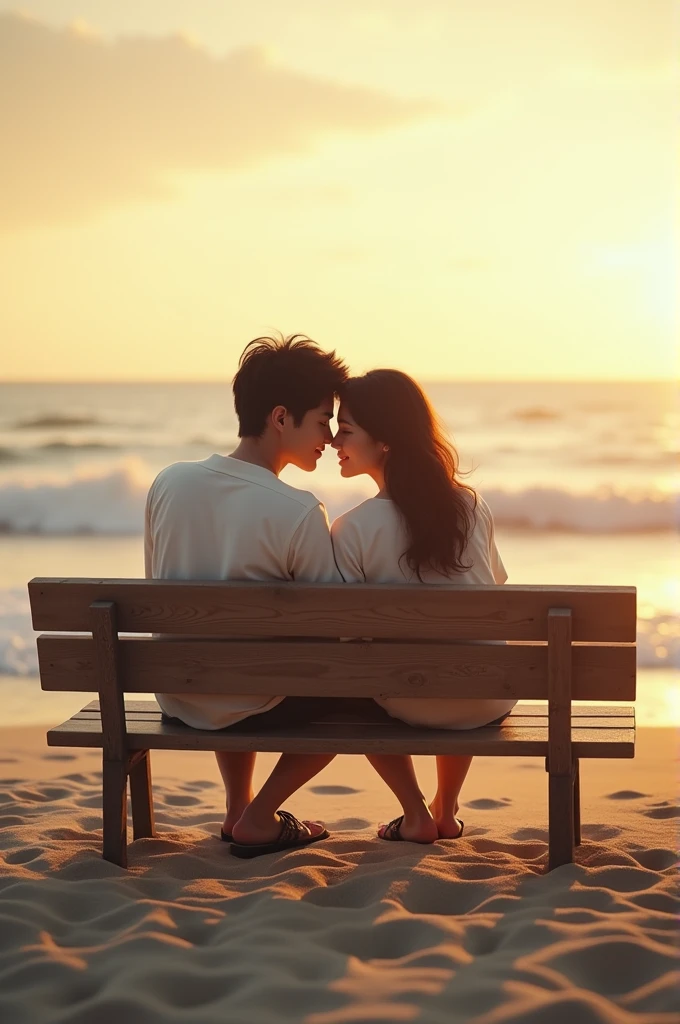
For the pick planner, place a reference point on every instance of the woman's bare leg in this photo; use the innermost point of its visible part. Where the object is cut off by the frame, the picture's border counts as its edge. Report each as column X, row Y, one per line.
column 236, row 769
column 451, row 772
column 397, row 771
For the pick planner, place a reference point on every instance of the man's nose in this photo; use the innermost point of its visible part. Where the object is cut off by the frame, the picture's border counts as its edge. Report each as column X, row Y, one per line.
column 328, row 436
column 335, row 443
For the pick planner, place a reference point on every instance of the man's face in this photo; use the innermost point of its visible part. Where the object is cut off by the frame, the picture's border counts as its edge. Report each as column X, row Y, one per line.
column 302, row 446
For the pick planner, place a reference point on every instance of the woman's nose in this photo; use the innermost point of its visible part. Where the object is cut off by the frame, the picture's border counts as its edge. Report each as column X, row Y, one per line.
column 335, row 443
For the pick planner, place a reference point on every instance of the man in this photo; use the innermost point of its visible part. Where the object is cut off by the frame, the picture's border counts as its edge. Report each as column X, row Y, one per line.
column 230, row 517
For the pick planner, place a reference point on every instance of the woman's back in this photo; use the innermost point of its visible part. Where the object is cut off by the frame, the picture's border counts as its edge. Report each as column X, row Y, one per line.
column 369, row 543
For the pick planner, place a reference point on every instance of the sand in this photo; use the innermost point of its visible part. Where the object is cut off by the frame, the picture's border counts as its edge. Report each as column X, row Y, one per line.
column 351, row 930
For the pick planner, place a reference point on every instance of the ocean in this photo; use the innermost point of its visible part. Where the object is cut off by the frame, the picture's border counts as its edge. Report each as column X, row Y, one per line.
column 582, row 479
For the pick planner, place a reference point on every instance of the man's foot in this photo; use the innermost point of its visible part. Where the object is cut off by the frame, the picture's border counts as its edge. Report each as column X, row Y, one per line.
column 292, row 834
column 422, row 830
column 249, row 831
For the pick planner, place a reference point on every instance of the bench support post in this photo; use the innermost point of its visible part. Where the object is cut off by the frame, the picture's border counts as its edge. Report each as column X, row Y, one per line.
column 114, row 734
column 577, row 803
column 560, row 761
column 141, row 796
column 114, row 811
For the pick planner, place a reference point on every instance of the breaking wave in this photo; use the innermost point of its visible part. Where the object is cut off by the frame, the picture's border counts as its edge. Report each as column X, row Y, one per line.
column 112, row 503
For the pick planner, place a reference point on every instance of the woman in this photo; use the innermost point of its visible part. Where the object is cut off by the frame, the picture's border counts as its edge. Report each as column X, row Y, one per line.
column 423, row 526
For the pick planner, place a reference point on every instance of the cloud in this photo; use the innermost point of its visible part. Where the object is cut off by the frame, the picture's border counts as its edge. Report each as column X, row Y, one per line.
column 88, row 123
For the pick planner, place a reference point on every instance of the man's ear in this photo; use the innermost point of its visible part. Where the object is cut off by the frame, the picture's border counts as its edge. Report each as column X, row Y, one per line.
column 278, row 417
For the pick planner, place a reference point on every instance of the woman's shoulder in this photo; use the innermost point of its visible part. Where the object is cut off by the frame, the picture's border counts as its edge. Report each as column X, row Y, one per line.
column 482, row 510
column 367, row 511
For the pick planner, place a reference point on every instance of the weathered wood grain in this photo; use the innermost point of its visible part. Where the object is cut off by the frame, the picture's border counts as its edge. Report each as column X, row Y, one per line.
column 355, row 739
column 521, row 710
column 560, row 762
column 236, row 609
column 317, row 668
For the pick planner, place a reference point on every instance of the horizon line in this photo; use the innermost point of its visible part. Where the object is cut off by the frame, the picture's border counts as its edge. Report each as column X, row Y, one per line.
column 422, row 380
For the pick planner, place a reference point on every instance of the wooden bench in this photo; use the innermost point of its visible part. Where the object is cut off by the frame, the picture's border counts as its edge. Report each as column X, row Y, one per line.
column 566, row 643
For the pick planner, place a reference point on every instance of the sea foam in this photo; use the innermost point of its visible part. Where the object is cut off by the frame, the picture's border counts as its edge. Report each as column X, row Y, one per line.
column 112, row 503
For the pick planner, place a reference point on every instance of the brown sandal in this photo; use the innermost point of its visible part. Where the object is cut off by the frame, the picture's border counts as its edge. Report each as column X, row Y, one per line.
column 293, row 833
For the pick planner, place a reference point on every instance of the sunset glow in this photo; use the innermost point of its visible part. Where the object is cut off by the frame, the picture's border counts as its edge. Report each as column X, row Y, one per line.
column 467, row 191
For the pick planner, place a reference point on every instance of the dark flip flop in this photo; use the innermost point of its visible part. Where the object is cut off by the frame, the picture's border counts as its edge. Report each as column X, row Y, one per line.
column 226, row 837
column 293, row 833
column 392, row 831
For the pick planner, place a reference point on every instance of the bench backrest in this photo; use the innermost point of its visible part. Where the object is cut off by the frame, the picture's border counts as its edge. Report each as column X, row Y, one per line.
column 283, row 639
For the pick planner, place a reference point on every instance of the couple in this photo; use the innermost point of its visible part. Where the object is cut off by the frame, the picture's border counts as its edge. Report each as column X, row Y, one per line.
column 231, row 518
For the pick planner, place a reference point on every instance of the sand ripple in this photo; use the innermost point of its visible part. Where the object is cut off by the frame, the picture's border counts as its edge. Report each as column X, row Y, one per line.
column 348, row 931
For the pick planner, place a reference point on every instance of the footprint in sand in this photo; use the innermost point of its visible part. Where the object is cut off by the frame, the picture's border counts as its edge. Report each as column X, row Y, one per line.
column 486, row 804
column 657, row 859
column 177, row 800
column 626, row 794
column 29, row 853
column 9, row 760
column 663, row 810
column 598, row 833
column 57, row 757
column 524, row 835
column 333, row 790
column 350, row 825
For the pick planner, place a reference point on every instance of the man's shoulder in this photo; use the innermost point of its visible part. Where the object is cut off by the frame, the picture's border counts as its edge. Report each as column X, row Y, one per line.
column 176, row 473
column 189, row 474
column 303, row 499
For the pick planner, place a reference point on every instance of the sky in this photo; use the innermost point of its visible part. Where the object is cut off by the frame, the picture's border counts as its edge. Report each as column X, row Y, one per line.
column 465, row 191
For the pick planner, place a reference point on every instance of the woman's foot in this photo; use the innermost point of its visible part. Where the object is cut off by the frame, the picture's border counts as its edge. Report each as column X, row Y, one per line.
column 450, row 828
column 448, row 825
column 413, row 829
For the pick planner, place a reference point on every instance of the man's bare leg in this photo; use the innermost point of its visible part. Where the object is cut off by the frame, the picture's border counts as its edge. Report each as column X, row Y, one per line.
column 397, row 771
column 451, row 772
column 236, row 769
column 258, row 822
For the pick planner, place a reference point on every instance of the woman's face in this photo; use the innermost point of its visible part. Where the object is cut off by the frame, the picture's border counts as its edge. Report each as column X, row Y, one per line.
column 357, row 452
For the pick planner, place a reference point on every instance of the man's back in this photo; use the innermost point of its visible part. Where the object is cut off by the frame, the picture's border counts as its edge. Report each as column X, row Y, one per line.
column 228, row 519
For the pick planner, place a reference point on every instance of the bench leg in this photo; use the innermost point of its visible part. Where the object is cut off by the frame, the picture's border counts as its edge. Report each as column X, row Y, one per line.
column 141, row 796
column 577, row 803
column 560, row 820
column 114, row 808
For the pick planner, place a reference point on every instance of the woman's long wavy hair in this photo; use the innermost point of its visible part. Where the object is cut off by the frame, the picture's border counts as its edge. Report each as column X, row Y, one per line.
column 421, row 468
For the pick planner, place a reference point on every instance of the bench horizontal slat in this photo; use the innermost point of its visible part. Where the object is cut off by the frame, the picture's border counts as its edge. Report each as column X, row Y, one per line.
column 524, row 710
column 516, row 722
column 334, row 669
column 355, row 738
column 238, row 609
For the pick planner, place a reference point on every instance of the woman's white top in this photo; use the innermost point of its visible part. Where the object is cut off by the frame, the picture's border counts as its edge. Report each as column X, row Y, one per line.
column 369, row 542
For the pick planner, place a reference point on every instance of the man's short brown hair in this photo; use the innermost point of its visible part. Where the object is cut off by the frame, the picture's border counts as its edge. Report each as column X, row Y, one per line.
column 289, row 371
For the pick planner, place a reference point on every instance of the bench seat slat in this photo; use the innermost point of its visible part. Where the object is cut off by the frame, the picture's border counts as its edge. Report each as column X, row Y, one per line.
column 518, row 722
column 394, row 737
column 537, row 710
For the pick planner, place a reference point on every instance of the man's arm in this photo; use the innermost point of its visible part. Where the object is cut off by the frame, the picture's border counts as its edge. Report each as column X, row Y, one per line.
column 347, row 551
column 310, row 555
column 148, row 540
